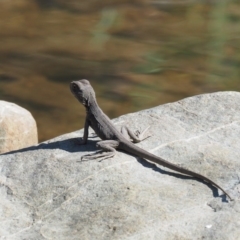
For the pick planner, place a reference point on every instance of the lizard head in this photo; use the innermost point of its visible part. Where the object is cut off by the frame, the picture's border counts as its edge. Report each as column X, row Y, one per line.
column 83, row 91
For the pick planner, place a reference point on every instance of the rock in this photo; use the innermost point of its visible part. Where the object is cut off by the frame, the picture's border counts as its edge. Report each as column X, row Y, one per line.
column 48, row 193
column 17, row 127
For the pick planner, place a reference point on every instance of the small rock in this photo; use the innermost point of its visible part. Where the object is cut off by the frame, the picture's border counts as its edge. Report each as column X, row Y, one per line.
column 18, row 128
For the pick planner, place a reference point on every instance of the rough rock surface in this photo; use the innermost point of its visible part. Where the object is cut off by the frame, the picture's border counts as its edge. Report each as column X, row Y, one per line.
column 18, row 128
column 48, row 193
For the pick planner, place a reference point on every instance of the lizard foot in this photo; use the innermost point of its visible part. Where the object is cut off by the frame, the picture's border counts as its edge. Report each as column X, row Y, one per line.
column 135, row 136
column 108, row 150
column 142, row 135
column 79, row 141
column 100, row 156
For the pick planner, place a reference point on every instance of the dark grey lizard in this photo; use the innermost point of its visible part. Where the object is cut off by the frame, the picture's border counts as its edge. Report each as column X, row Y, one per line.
column 114, row 139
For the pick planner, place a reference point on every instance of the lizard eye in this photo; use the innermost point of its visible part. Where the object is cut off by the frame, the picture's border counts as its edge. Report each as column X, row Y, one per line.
column 75, row 87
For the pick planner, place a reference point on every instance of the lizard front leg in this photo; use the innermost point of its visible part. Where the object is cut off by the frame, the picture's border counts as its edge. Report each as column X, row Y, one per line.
column 108, row 150
column 136, row 137
column 83, row 140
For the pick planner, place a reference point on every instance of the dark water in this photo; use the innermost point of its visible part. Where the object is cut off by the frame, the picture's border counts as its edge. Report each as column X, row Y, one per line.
column 137, row 54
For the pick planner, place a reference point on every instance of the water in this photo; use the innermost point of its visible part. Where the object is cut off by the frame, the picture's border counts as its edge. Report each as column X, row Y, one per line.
column 137, row 54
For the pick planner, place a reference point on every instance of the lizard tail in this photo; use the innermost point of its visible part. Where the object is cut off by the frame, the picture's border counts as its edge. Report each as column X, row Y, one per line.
column 131, row 148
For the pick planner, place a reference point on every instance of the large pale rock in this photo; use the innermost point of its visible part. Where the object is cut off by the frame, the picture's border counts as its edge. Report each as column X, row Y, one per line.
column 48, row 193
column 17, row 127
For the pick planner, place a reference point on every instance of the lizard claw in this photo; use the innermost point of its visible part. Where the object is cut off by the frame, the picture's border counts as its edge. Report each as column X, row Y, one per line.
column 141, row 135
column 137, row 133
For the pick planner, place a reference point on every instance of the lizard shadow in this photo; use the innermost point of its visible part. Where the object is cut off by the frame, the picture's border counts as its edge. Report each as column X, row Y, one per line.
column 69, row 145
column 72, row 146
column 155, row 168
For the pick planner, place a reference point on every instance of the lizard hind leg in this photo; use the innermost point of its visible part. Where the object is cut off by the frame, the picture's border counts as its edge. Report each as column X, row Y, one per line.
column 108, row 150
column 137, row 136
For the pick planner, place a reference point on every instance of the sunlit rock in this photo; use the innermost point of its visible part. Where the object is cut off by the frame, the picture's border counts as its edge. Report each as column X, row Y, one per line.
column 47, row 192
column 17, row 127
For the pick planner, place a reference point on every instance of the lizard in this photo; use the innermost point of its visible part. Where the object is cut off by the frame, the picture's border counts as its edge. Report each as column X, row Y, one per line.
column 113, row 139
